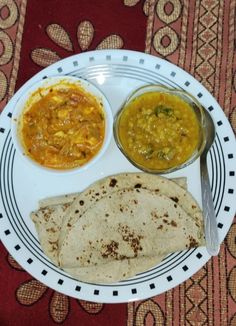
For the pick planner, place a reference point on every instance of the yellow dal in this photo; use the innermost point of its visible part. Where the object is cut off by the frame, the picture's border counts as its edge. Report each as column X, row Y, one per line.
column 159, row 130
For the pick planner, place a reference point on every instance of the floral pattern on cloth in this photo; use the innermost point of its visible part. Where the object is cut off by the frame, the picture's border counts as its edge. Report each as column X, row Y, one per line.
column 85, row 33
column 9, row 17
column 132, row 3
column 31, row 291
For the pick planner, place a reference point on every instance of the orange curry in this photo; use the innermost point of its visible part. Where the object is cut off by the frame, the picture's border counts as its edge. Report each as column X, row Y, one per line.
column 64, row 128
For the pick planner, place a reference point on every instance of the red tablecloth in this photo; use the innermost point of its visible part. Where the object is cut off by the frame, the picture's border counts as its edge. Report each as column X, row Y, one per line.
column 198, row 36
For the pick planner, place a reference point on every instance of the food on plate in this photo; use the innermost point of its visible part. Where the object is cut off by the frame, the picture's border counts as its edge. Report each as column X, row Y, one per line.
column 55, row 215
column 104, row 227
column 158, row 130
column 62, row 126
column 106, row 186
column 114, row 270
column 128, row 224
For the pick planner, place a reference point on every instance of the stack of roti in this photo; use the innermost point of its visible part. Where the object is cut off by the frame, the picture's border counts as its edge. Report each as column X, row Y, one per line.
column 119, row 226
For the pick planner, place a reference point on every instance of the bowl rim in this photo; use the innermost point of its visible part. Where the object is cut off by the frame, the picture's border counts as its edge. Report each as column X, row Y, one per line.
column 170, row 90
column 46, row 83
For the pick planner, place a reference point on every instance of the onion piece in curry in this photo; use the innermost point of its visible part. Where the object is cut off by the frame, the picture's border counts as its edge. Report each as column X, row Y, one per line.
column 64, row 128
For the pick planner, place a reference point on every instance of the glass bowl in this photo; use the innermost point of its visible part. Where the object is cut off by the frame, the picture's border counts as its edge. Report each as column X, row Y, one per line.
column 144, row 128
column 42, row 88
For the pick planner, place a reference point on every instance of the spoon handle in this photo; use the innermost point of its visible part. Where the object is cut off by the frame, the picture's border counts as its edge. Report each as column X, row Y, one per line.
column 212, row 238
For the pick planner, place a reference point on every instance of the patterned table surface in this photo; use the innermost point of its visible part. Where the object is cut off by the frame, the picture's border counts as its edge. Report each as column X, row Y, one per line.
column 196, row 35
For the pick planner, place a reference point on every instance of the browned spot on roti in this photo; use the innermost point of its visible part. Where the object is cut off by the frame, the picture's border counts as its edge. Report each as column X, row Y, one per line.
column 131, row 238
column 53, row 242
column 110, row 249
column 192, row 242
column 51, row 230
column 54, row 245
column 113, row 182
column 65, row 206
column 138, row 185
column 81, row 202
column 47, row 214
column 135, row 244
column 154, row 214
column 175, row 199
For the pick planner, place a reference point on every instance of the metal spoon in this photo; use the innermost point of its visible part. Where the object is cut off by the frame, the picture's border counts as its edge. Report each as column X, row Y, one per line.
column 211, row 234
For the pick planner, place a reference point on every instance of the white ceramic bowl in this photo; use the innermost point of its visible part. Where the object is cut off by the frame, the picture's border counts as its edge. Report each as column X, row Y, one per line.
column 50, row 82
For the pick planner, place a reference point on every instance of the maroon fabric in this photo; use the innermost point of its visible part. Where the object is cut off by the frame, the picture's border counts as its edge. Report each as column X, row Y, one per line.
column 27, row 308
column 108, row 17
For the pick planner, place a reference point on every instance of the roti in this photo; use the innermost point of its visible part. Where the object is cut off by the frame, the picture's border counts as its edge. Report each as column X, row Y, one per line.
column 111, row 272
column 125, row 227
column 56, row 216
column 108, row 185
column 48, row 221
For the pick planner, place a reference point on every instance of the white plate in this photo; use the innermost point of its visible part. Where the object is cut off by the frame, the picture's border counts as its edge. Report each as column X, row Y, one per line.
column 116, row 73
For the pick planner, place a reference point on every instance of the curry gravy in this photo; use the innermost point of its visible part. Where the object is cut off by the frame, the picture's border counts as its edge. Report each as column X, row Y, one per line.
column 64, row 128
column 159, row 130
